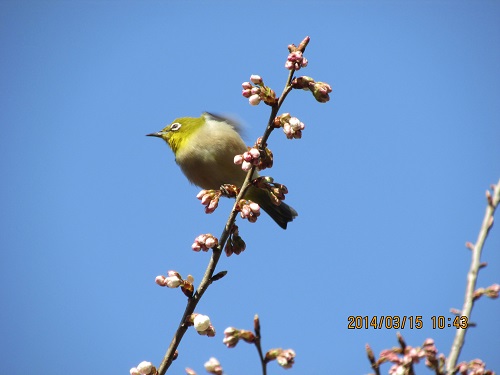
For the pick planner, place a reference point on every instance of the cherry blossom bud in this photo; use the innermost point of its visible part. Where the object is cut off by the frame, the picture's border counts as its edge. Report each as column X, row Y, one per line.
column 295, row 61
column 255, row 208
column 190, row 371
column 492, row 291
column 246, row 85
column 254, row 99
column 201, row 323
column 286, row 358
column 213, row 366
column 160, row 280
column 172, row 281
column 320, row 90
column 246, row 166
column 255, row 90
column 144, row 368
column 231, row 337
column 210, row 199
column 238, row 159
column 256, row 79
column 462, row 368
column 249, row 210
column 204, row 242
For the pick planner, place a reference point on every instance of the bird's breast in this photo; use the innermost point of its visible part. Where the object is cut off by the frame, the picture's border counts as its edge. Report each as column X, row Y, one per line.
column 207, row 158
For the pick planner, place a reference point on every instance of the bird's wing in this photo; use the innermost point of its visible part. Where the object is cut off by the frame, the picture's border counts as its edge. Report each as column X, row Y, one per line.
column 231, row 121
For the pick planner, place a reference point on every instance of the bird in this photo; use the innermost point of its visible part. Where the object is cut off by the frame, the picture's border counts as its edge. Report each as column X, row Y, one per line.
column 205, row 147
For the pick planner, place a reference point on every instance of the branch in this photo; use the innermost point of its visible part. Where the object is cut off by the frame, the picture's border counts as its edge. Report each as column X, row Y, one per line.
column 458, row 342
column 217, row 251
column 263, row 361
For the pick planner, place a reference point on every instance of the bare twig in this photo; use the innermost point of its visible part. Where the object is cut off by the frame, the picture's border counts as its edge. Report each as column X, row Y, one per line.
column 493, row 200
column 371, row 358
column 263, row 361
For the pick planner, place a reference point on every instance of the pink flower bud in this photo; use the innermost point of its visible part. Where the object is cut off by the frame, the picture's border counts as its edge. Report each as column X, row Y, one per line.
column 246, row 93
column 134, row 371
column 210, row 242
column 212, row 206
column 172, row 281
column 254, row 99
column 246, row 166
column 256, row 79
column 213, row 366
column 254, row 153
column 160, row 280
column 238, row 159
column 247, row 156
column 206, row 199
column 255, row 208
column 286, row 358
column 246, row 85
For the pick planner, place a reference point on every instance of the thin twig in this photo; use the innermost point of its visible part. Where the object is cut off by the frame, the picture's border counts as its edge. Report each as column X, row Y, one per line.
column 371, row 358
column 207, row 278
column 458, row 342
column 258, row 337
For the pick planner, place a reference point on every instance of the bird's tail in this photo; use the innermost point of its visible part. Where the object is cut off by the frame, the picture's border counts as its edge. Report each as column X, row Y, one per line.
column 281, row 214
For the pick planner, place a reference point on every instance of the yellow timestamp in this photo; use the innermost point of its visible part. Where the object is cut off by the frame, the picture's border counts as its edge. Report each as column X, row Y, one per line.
column 404, row 321
column 441, row 322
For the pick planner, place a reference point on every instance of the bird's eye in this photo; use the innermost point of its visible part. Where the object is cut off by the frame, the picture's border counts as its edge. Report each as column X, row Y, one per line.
column 175, row 126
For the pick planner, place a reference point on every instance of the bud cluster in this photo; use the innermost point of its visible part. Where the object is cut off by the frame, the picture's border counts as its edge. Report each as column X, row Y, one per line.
column 213, row 366
column 248, row 158
column 474, row 367
column 201, row 324
column 276, row 191
column 174, row 280
column 285, row 358
column 233, row 335
column 204, row 242
column 491, row 292
column 259, row 92
column 234, row 243
column 248, row 210
column 261, row 157
column 292, row 127
column 320, row 90
column 403, row 359
column 295, row 61
column 210, row 199
column 144, row 368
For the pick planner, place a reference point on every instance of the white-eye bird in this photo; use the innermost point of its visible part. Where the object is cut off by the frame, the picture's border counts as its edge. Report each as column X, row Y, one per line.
column 205, row 148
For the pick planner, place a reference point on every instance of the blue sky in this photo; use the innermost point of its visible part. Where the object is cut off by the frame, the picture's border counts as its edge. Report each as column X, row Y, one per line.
column 388, row 179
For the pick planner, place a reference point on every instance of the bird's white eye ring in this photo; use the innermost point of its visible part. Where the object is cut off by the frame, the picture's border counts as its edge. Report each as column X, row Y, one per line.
column 175, row 126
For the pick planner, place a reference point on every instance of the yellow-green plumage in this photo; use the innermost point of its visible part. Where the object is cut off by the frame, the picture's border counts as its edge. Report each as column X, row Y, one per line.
column 205, row 147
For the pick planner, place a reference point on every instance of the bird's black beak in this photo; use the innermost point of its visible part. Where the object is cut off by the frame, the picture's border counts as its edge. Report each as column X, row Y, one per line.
column 157, row 134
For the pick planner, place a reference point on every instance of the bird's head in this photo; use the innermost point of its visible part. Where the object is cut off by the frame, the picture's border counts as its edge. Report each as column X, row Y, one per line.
column 177, row 134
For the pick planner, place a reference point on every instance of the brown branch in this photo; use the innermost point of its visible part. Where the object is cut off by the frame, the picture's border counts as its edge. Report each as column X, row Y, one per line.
column 458, row 342
column 207, row 278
